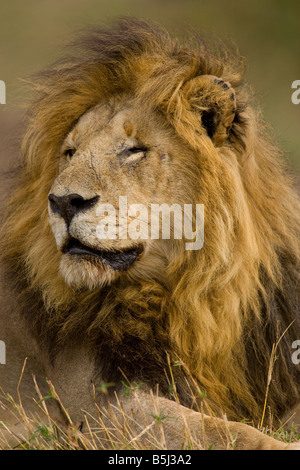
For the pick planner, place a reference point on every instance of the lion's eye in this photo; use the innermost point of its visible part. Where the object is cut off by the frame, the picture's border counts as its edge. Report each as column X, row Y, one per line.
column 137, row 150
column 133, row 150
column 69, row 152
column 133, row 155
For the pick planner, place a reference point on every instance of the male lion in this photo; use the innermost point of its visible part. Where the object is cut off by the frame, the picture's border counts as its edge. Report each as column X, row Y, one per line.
column 135, row 114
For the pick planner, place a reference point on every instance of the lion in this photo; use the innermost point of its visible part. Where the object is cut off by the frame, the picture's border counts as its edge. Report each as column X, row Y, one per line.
column 135, row 113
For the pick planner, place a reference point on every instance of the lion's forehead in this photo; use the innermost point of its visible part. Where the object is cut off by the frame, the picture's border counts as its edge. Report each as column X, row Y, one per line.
column 116, row 125
column 107, row 121
column 96, row 118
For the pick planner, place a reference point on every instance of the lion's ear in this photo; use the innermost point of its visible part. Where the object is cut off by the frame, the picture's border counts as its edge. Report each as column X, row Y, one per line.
column 214, row 100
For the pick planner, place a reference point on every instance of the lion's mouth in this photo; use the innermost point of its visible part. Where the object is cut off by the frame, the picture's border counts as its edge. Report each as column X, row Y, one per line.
column 119, row 260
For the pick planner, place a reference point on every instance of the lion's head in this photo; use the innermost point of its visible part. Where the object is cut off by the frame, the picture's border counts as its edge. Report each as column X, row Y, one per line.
column 117, row 153
column 138, row 115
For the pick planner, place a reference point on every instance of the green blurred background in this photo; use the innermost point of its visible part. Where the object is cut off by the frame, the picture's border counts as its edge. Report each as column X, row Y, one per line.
column 267, row 33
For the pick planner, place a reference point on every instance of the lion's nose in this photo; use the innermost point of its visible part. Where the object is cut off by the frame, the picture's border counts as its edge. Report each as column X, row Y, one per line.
column 70, row 205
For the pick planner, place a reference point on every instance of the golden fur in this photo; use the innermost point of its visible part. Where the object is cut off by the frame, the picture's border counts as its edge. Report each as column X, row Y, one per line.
column 220, row 309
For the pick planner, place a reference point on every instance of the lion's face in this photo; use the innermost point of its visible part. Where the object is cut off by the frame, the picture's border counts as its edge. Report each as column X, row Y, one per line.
column 116, row 156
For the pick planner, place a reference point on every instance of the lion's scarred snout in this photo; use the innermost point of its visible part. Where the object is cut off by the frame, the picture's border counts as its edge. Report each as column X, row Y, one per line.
column 70, row 205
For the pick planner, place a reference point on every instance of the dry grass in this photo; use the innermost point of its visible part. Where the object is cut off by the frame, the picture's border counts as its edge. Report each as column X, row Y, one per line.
column 41, row 432
column 46, row 434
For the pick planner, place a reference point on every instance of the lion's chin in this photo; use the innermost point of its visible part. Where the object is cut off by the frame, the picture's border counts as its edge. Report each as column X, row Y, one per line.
column 81, row 273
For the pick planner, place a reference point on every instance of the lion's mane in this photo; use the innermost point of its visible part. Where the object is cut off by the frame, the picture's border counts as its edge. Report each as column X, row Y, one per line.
column 231, row 302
